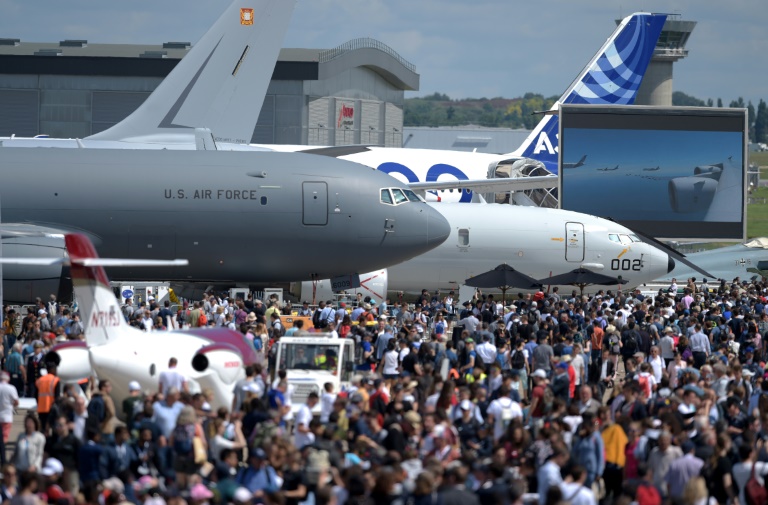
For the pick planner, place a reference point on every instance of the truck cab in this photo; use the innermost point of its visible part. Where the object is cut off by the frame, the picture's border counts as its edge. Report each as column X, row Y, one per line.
column 310, row 361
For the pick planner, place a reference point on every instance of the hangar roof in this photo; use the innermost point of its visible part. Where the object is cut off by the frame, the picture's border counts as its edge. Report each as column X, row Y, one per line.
column 77, row 57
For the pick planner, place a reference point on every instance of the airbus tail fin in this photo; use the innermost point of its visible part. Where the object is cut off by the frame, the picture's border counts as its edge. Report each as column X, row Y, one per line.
column 612, row 77
column 220, row 84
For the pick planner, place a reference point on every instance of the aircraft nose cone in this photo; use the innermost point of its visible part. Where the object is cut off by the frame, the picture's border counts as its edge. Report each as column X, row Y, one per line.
column 670, row 264
column 438, row 228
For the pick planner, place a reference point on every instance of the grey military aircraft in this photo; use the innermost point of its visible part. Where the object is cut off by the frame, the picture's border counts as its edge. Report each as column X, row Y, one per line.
column 745, row 261
column 239, row 217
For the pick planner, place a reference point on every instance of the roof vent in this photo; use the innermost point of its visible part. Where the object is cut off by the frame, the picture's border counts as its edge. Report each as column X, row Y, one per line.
column 73, row 43
column 177, row 45
column 48, row 52
column 154, row 54
column 10, row 42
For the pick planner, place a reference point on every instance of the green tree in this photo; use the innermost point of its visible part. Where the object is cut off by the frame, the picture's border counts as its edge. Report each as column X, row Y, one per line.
column 681, row 99
column 751, row 120
column 720, row 102
column 710, row 103
column 737, row 104
column 761, row 122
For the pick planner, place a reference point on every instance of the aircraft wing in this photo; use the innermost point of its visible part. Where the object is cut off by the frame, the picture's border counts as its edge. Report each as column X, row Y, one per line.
column 95, row 262
column 500, row 185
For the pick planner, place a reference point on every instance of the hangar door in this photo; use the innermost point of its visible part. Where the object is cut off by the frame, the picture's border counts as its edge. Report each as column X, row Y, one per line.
column 315, row 203
column 574, row 242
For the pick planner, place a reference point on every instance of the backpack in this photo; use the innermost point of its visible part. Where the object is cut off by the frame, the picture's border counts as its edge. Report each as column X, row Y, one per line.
column 630, row 345
column 316, row 319
column 97, row 411
column 202, row 320
column 578, row 338
column 548, row 399
column 754, row 493
column 644, row 387
column 518, row 360
column 613, row 341
column 507, row 414
column 182, row 442
column 648, row 495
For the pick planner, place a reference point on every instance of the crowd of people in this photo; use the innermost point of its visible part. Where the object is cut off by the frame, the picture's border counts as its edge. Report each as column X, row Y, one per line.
column 547, row 398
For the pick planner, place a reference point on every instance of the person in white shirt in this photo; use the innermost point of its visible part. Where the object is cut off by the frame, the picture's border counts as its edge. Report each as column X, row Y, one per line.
column 171, row 378
column 327, row 400
column 501, row 411
column 9, row 398
column 575, row 492
column 303, row 435
column 657, row 364
column 486, row 351
column 332, row 333
column 577, row 362
column 549, row 473
column 470, row 323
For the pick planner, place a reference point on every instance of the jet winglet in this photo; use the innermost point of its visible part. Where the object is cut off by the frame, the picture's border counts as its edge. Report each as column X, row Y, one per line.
column 220, row 84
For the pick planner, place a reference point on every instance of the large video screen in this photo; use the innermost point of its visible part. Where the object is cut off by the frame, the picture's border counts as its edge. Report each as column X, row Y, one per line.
column 670, row 172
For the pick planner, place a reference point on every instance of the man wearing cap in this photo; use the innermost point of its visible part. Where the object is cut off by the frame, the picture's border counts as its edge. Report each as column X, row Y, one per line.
column 259, row 477
column 9, row 398
column 134, row 403
column 34, row 366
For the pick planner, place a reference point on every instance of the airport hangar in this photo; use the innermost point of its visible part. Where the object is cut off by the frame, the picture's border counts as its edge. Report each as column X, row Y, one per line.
column 352, row 94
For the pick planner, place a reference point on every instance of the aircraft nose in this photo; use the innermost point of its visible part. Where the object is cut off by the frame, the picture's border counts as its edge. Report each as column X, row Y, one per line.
column 438, row 228
column 670, row 264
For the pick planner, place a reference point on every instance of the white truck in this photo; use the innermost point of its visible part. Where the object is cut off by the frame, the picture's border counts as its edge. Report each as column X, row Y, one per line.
column 311, row 361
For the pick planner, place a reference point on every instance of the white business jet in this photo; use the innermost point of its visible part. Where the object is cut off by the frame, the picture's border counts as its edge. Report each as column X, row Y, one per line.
column 209, row 358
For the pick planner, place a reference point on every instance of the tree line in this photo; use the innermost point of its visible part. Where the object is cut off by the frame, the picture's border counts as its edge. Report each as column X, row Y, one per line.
column 438, row 109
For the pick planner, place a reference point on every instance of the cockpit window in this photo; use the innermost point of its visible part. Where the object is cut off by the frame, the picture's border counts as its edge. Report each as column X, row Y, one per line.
column 634, row 238
column 399, row 196
column 625, row 239
column 386, row 197
column 413, row 197
column 614, row 238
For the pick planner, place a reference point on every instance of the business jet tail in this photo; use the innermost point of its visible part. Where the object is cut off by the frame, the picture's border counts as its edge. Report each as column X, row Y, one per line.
column 612, row 77
column 220, row 84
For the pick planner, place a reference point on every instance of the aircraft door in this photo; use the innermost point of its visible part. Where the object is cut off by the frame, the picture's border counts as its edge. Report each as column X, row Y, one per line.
column 315, row 195
column 574, row 242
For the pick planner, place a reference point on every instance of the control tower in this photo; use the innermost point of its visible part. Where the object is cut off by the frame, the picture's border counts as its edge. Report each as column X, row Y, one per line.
column 656, row 88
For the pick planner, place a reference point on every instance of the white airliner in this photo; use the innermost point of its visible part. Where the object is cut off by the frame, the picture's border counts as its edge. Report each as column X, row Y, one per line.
column 536, row 241
column 210, row 358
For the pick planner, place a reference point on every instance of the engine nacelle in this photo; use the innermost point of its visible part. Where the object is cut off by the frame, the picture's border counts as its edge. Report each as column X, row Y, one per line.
column 72, row 359
column 373, row 284
column 222, row 360
column 692, row 194
column 23, row 283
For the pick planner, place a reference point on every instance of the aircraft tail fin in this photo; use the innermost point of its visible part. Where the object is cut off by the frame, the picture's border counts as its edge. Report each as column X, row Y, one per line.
column 612, row 77
column 220, row 84
column 99, row 311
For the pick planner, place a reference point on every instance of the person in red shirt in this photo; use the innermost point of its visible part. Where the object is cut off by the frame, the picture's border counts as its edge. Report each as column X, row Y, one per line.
column 571, row 376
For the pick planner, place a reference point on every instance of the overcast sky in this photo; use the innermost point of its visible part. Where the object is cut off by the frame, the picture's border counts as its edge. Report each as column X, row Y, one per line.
column 463, row 48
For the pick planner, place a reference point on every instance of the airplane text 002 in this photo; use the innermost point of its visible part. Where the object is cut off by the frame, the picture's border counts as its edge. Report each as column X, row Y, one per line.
column 211, row 194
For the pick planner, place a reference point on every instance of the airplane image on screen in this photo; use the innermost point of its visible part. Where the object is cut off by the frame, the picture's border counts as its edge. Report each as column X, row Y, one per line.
column 607, row 169
column 745, row 261
column 651, row 169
